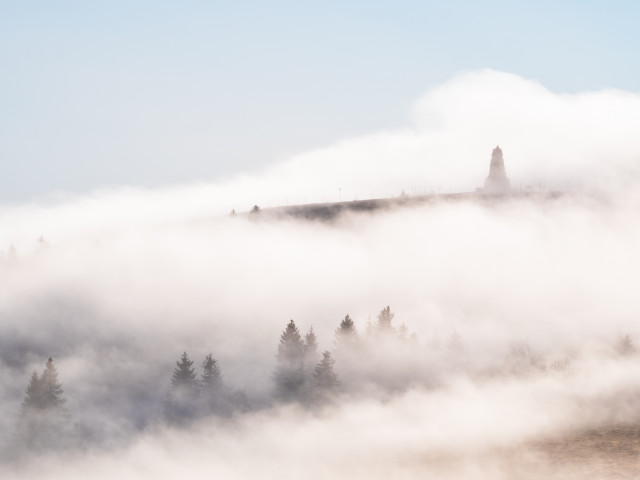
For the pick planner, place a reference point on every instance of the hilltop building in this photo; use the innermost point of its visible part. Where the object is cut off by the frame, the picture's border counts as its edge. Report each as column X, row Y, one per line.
column 497, row 181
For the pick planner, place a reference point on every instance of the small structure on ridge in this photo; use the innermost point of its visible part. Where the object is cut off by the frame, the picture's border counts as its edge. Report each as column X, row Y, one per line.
column 497, row 181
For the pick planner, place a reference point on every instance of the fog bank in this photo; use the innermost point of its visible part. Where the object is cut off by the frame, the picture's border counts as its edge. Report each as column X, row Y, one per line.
column 520, row 307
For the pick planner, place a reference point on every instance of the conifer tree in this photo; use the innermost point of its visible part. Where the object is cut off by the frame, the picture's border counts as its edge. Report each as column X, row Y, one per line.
column 211, row 377
column 310, row 352
column 289, row 374
column 43, row 422
column 182, row 400
column 310, row 342
column 324, row 377
column 33, row 396
column 255, row 210
column 384, row 320
column 346, row 336
column 291, row 348
column 310, row 345
column 50, row 390
column 212, row 390
column 184, row 376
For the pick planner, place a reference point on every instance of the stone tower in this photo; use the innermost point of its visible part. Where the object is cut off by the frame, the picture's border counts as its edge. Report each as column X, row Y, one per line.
column 497, row 181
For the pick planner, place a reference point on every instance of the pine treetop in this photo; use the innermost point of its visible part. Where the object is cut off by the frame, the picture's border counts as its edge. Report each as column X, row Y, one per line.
column 384, row 319
column 346, row 335
column 347, row 327
column 291, row 347
column 211, row 377
column 50, row 388
column 183, row 375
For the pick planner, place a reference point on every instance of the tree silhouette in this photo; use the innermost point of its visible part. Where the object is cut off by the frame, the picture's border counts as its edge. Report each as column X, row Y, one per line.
column 324, row 377
column 310, row 344
column 384, row 320
column 43, row 421
column 211, row 377
column 291, row 348
column 44, row 391
column 346, row 336
column 181, row 404
column 289, row 376
column 33, row 397
column 255, row 210
column 50, row 388
column 211, row 387
column 184, row 376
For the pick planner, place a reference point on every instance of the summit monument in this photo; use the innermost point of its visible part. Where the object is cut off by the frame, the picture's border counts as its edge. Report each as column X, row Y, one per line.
column 497, row 181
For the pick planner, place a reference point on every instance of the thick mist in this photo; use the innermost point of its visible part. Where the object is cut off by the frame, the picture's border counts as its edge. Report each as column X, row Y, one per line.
column 115, row 313
column 519, row 308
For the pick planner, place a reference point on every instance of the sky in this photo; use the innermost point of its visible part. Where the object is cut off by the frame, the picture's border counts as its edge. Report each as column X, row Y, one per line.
column 154, row 94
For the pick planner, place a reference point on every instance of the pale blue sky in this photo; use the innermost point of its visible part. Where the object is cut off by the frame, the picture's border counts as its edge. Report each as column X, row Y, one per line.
column 148, row 93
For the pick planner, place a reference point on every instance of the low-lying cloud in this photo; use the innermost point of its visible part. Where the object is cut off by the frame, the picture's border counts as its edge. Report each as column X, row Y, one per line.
column 518, row 306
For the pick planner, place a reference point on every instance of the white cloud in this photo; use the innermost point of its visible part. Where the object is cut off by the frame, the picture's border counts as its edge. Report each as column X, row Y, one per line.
column 131, row 278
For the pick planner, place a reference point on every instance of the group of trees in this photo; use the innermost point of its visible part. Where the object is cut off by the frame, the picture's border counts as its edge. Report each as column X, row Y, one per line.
column 301, row 375
column 43, row 416
column 292, row 377
column 191, row 396
column 255, row 210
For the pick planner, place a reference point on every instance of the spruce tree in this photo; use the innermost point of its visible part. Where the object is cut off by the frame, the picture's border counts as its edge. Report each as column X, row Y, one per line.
column 310, row 343
column 44, row 391
column 211, row 388
column 33, row 395
column 289, row 374
column 255, row 210
column 182, row 400
column 324, row 377
column 384, row 320
column 184, row 376
column 211, row 377
column 346, row 336
column 43, row 422
column 50, row 390
column 291, row 348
